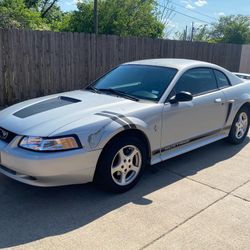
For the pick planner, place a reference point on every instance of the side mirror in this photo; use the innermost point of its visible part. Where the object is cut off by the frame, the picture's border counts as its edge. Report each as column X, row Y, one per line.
column 181, row 97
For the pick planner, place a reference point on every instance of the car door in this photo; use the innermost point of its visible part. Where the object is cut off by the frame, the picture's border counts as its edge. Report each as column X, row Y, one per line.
column 204, row 115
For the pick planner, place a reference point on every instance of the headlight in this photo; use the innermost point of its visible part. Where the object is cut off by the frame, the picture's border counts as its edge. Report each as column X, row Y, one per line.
column 50, row 144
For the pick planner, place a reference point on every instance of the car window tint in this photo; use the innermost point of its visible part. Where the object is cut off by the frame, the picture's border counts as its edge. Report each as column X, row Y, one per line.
column 221, row 79
column 141, row 81
column 196, row 81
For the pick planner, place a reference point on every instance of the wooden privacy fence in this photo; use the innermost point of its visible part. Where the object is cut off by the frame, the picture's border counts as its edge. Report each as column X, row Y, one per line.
column 37, row 63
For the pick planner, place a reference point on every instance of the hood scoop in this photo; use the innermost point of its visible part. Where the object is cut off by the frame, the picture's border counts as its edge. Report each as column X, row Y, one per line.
column 45, row 106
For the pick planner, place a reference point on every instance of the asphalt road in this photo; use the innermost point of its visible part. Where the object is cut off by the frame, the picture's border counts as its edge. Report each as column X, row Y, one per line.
column 200, row 200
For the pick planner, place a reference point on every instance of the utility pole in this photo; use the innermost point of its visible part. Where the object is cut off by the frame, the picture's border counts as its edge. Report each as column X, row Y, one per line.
column 185, row 33
column 95, row 17
column 192, row 32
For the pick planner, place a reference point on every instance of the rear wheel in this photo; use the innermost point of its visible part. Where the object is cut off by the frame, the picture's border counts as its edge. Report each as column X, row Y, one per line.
column 121, row 164
column 239, row 127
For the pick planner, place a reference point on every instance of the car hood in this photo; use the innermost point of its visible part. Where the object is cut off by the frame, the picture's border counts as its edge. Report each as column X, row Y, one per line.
column 43, row 116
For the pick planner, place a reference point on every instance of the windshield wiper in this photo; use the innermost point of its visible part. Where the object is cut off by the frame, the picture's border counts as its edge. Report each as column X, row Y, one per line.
column 119, row 93
column 93, row 89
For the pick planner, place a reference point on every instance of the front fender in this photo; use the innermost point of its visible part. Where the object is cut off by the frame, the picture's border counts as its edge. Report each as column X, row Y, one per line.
column 102, row 136
column 95, row 131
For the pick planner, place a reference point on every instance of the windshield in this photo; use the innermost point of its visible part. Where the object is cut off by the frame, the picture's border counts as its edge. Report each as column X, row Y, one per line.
column 140, row 81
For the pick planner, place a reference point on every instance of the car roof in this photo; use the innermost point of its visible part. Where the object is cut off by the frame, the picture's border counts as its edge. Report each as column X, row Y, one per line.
column 183, row 64
column 173, row 63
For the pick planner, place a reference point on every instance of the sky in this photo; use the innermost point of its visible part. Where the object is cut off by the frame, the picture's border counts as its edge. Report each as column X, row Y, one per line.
column 209, row 11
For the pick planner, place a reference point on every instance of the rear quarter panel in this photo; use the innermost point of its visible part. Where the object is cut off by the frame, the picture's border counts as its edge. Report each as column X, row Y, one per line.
column 240, row 94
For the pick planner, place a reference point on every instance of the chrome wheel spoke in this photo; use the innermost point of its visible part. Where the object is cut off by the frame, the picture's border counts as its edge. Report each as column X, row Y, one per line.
column 123, row 179
column 133, row 154
column 241, row 125
column 126, row 165
column 244, row 122
column 240, row 119
column 121, row 155
column 116, row 168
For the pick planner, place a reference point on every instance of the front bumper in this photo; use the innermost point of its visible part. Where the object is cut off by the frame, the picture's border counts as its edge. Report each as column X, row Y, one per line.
column 47, row 169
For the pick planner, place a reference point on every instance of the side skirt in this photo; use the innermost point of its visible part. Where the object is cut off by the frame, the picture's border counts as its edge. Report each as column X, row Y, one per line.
column 189, row 145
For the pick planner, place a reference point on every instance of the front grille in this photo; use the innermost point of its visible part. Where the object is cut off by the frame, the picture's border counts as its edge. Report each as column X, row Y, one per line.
column 6, row 136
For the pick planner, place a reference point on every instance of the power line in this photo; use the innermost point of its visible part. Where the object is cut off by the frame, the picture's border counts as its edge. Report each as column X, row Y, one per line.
column 181, row 13
column 195, row 11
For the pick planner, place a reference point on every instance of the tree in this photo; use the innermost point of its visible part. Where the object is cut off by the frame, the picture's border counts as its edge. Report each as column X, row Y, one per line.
column 55, row 18
column 143, row 18
column 228, row 29
column 80, row 20
column 14, row 14
column 32, row 3
column 231, row 29
column 165, row 13
column 119, row 17
column 31, row 14
column 43, row 6
column 47, row 5
column 201, row 33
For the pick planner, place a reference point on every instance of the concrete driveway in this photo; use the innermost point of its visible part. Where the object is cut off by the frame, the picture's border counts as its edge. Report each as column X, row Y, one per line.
column 200, row 200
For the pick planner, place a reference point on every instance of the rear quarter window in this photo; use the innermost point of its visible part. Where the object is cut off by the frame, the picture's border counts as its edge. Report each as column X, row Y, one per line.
column 222, row 79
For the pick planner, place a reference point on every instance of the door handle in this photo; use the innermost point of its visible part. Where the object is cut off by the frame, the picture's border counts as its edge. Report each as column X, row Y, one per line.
column 218, row 100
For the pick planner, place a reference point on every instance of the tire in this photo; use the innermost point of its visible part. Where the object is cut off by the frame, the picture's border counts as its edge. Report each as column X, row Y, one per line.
column 121, row 164
column 240, row 127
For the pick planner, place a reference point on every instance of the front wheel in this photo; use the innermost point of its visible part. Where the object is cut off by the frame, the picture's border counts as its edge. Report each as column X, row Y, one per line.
column 121, row 164
column 239, row 127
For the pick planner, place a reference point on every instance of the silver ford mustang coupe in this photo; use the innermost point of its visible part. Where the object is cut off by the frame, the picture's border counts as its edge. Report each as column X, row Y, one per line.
column 138, row 114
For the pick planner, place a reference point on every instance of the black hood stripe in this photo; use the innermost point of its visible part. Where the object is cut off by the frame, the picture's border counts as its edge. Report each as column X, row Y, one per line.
column 122, row 117
column 45, row 106
column 115, row 119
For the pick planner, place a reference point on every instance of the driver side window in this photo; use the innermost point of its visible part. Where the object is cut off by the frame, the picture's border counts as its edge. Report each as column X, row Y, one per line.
column 196, row 81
